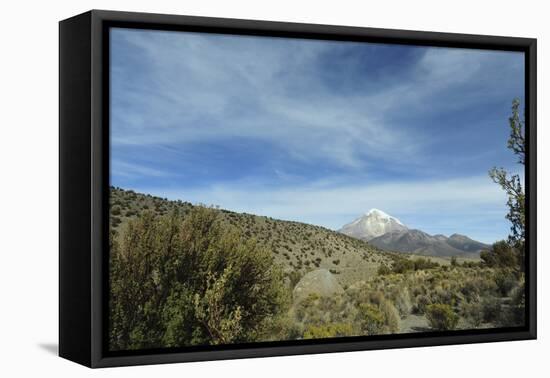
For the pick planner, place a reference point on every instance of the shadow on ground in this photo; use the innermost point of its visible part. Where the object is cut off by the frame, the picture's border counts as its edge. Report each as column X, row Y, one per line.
column 51, row 348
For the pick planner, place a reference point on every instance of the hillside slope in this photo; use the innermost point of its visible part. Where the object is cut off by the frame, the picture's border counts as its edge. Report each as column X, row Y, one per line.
column 297, row 247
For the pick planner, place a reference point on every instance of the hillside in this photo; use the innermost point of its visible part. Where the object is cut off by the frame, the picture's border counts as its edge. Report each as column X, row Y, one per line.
column 328, row 284
column 298, row 247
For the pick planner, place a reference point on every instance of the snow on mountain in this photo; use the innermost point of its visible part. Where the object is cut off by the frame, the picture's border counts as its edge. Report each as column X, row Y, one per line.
column 373, row 224
column 388, row 233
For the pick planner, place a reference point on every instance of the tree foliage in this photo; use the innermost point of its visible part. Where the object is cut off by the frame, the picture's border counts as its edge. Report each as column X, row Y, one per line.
column 185, row 281
column 511, row 183
column 501, row 255
column 508, row 258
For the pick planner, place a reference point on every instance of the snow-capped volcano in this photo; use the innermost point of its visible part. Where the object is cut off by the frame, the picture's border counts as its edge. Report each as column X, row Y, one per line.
column 388, row 233
column 373, row 224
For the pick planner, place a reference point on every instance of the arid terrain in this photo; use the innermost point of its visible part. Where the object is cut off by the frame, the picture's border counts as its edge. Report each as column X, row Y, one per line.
column 330, row 284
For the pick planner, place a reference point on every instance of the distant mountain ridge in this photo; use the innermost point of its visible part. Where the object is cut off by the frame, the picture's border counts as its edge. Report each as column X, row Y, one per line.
column 389, row 233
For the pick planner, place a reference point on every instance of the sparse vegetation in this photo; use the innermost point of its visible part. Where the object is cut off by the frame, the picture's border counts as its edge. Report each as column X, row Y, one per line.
column 188, row 275
column 182, row 275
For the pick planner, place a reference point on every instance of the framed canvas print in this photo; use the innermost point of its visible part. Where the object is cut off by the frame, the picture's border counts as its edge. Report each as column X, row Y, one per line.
column 234, row 188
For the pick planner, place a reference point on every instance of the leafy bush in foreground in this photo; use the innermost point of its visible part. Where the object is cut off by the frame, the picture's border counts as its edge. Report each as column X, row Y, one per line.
column 177, row 282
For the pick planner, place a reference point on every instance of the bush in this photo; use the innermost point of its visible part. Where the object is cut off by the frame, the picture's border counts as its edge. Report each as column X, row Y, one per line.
column 422, row 264
column 294, row 277
column 372, row 319
column 501, row 255
column 421, row 302
column 469, row 288
column 505, row 281
column 391, row 315
column 473, row 313
column 441, row 317
column 514, row 314
column 402, row 265
column 491, row 309
column 179, row 282
column 328, row 330
column 402, row 302
column 383, row 270
column 377, row 315
column 454, row 262
column 115, row 221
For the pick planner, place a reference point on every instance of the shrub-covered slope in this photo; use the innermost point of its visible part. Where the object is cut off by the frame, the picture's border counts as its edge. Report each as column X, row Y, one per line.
column 297, row 247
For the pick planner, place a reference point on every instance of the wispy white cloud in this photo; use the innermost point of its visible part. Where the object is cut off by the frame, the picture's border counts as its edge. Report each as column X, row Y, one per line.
column 126, row 169
column 203, row 88
column 187, row 89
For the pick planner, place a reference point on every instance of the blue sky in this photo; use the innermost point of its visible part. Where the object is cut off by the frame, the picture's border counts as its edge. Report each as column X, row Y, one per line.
column 315, row 131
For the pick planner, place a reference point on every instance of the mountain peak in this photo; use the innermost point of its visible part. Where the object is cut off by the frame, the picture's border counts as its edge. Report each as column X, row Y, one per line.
column 376, row 212
column 372, row 224
column 381, row 214
column 458, row 236
column 388, row 233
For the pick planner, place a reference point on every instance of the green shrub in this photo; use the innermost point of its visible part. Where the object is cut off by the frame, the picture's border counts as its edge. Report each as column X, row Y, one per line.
column 402, row 302
column 441, row 317
column 328, row 330
column 501, row 255
column 115, row 221
column 423, row 263
column 473, row 313
column 391, row 315
column 383, row 270
column 178, row 282
column 505, row 281
column 372, row 320
column 402, row 265
column 421, row 302
column 294, row 277
column 514, row 314
column 469, row 288
column 491, row 308
column 374, row 308
column 447, row 294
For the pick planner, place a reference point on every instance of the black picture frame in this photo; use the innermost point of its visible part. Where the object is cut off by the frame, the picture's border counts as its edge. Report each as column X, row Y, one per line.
column 84, row 186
